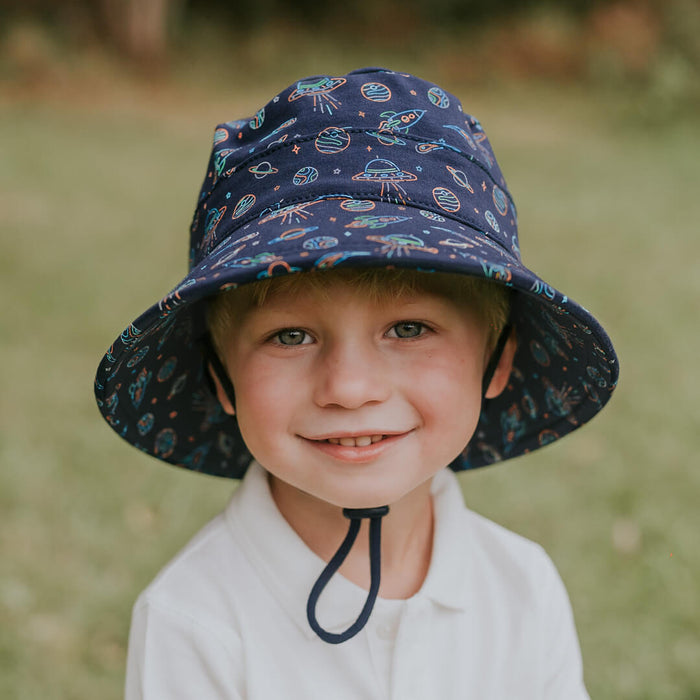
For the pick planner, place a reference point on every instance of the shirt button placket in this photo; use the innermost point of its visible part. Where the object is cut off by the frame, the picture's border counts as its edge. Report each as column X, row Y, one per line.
column 409, row 672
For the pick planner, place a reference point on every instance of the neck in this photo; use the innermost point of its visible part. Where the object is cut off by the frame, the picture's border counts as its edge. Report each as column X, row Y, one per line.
column 407, row 536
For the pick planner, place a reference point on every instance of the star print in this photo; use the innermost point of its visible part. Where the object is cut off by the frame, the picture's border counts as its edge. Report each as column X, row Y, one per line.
column 276, row 98
column 419, row 168
column 228, row 195
column 413, row 92
column 296, row 148
column 369, row 148
column 276, row 187
column 333, row 219
column 336, row 171
column 362, row 114
column 483, row 186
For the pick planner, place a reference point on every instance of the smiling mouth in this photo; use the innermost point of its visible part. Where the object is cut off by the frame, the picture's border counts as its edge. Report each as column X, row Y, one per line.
column 360, row 441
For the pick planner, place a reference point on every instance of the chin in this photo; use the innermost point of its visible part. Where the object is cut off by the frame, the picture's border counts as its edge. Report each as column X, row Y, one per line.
column 376, row 496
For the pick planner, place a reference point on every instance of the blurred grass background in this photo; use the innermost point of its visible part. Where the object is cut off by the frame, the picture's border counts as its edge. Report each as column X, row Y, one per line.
column 594, row 116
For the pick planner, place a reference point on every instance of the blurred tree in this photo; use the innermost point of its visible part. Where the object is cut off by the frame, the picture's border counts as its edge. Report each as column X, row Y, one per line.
column 139, row 28
column 634, row 43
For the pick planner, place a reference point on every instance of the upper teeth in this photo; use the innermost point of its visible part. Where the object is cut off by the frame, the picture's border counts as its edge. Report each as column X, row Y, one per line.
column 361, row 441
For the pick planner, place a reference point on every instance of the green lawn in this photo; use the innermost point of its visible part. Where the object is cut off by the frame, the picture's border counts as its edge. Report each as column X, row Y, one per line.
column 95, row 202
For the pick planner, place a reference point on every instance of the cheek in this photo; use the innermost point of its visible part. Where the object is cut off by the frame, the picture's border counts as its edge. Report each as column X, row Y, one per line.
column 450, row 391
column 449, row 373
column 267, row 401
column 257, row 400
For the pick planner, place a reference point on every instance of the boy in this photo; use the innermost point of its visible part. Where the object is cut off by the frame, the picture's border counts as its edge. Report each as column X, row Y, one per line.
column 356, row 319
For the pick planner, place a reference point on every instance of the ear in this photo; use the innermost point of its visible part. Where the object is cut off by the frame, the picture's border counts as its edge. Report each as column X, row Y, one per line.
column 503, row 368
column 221, row 394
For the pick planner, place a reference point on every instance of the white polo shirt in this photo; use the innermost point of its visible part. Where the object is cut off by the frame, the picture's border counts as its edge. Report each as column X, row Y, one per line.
column 226, row 618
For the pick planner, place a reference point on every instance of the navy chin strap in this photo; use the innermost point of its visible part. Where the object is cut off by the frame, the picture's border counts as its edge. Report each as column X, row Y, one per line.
column 355, row 515
column 495, row 359
column 211, row 357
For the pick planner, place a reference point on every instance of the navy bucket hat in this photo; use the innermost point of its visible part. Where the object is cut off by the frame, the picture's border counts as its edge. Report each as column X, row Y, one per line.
column 372, row 169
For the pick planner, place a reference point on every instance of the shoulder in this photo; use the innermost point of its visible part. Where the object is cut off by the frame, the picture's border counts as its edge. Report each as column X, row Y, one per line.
column 503, row 546
column 493, row 557
column 519, row 564
column 186, row 614
column 479, row 537
column 197, row 584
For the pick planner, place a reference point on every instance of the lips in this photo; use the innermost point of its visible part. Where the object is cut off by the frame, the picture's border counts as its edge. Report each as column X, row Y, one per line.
column 358, row 447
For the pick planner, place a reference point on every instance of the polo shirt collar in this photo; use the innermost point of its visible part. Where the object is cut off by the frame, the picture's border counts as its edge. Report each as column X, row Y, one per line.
column 290, row 568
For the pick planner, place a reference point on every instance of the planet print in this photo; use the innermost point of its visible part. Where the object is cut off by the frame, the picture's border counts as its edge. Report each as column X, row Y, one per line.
column 446, row 199
column 439, row 97
column 460, row 178
column 257, row 121
column 500, row 200
column 220, row 135
column 492, row 221
column 145, row 423
column 262, row 170
column 357, row 205
column 165, row 443
column 375, row 92
column 305, row 176
column 432, row 216
column 320, row 243
column 332, row 140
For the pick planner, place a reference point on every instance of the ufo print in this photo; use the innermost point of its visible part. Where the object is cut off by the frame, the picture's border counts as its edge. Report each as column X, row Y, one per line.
column 388, row 174
column 290, row 214
column 319, row 89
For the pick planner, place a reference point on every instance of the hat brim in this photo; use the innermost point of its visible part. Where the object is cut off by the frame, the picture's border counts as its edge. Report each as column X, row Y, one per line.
column 152, row 388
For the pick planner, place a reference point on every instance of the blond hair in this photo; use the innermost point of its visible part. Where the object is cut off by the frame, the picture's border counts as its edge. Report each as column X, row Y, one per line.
column 490, row 300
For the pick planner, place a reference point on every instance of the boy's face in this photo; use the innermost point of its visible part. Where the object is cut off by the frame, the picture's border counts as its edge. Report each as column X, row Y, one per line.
column 354, row 401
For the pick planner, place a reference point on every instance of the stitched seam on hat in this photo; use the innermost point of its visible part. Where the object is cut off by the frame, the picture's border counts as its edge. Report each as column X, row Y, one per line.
column 414, row 203
column 305, row 139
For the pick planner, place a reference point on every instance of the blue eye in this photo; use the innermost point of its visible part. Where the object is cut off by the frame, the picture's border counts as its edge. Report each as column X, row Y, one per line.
column 407, row 329
column 292, row 336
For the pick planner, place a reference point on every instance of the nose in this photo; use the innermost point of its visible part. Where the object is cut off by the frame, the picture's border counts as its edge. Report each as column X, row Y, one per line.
column 350, row 375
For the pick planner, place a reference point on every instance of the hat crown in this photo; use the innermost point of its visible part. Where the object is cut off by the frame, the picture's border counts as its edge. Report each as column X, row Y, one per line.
column 371, row 134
